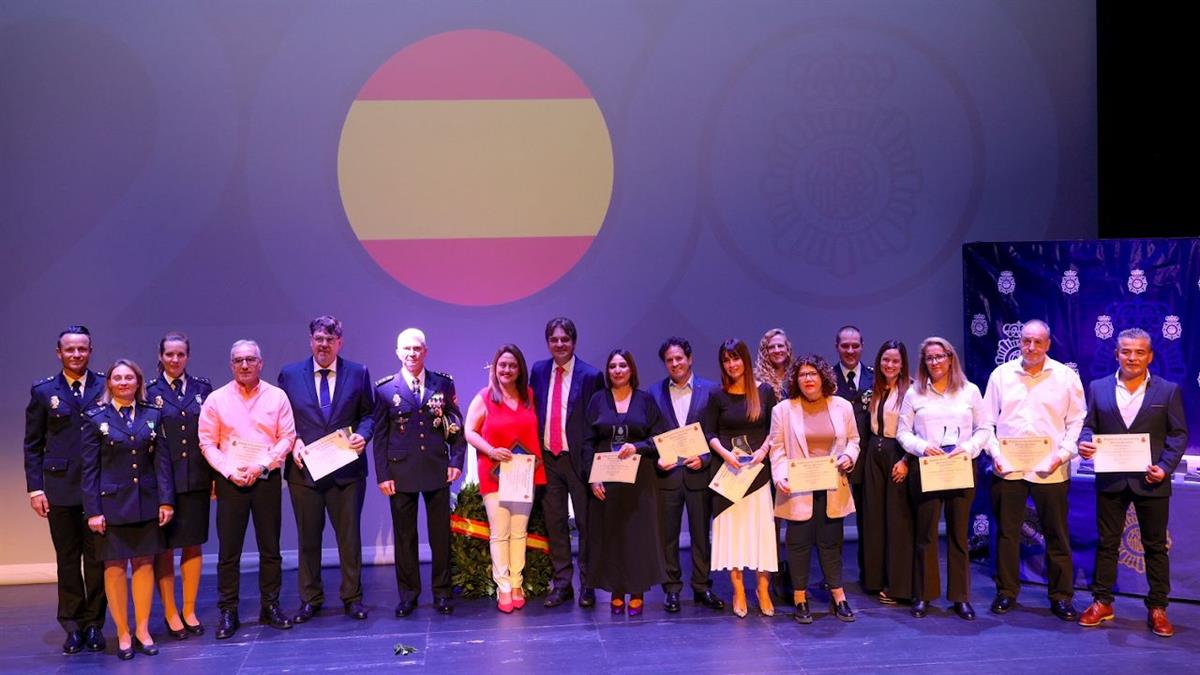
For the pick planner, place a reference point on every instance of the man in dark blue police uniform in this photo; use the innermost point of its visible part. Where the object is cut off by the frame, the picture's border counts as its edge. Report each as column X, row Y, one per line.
column 53, row 420
column 419, row 450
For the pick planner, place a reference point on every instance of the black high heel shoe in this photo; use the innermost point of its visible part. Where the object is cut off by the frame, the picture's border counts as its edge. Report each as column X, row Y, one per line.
column 180, row 634
column 617, row 605
column 841, row 610
column 197, row 629
column 802, row 615
column 124, row 654
column 149, row 650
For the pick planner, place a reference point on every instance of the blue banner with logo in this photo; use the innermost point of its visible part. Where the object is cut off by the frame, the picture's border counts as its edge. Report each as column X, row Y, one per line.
column 1088, row 292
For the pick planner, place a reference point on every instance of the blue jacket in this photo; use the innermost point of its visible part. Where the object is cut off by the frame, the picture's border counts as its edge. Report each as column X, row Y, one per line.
column 353, row 406
column 412, row 446
column 126, row 473
column 680, row 475
column 180, row 419
column 53, row 420
column 585, row 382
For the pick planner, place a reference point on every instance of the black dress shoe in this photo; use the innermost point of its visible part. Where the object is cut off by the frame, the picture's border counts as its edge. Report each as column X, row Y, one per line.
column 671, row 604
column 271, row 616
column 1001, row 604
column 841, row 610
column 228, row 625
column 709, row 600
column 587, row 597
column 560, row 595
column 149, row 650
column 1064, row 610
column 180, row 634
column 74, row 642
column 802, row 615
column 356, row 610
column 405, row 608
column 919, row 609
column 125, row 654
column 442, row 605
column 93, row 639
column 964, row 610
column 306, row 612
column 197, row 629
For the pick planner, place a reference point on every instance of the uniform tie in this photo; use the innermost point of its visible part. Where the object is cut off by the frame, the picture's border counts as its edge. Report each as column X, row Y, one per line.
column 177, row 387
column 850, row 382
column 77, row 388
column 126, row 413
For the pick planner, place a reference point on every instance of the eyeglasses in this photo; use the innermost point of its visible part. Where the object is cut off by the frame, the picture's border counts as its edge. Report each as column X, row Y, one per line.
column 936, row 358
column 808, row 375
column 247, row 360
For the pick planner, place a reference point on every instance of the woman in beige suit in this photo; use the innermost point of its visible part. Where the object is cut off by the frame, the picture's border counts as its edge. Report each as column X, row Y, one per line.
column 812, row 422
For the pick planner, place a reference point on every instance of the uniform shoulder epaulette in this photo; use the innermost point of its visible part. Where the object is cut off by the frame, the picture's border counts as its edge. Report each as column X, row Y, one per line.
column 151, row 383
column 384, row 380
column 38, row 383
column 445, row 375
column 94, row 411
column 101, row 375
column 200, row 379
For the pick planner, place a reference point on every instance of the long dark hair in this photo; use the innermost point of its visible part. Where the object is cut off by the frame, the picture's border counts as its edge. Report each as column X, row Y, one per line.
column 625, row 354
column 739, row 349
column 494, row 390
column 879, row 390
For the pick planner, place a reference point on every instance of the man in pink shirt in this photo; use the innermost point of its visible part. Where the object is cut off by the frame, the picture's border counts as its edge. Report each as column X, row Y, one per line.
column 246, row 430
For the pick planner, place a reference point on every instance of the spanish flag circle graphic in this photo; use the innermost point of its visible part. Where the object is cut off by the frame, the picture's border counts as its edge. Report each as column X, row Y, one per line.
column 475, row 167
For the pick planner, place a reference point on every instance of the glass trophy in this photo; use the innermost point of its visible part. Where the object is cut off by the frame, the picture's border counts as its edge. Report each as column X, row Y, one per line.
column 620, row 436
column 741, row 449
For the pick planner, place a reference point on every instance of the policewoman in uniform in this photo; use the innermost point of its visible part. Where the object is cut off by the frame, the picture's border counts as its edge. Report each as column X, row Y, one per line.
column 419, row 449
column 128, row 495
column 178, row 396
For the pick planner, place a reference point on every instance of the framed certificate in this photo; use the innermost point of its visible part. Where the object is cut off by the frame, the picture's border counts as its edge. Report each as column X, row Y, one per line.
column 682, row 443
column 812, row 474
column 1025, row 454
column 947, row 472
column 1121, row 453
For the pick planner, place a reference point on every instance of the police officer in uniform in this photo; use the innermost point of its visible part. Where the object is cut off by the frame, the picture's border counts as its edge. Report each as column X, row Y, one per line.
column 419, row 450
column 53, row 420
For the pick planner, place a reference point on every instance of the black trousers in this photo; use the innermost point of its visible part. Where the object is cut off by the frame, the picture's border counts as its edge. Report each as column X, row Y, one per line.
column 826, row 534
column 404, row 533
column 81, row 600
column 1008, row 505
column 1152, row 513
column 562, row 483
column 887, row 522
column 344, row 505
column 699, row 514
column 235, row 507
column 956, row 504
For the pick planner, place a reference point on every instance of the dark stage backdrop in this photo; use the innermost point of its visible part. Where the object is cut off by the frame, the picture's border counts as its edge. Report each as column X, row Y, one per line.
column 708, row 169
column 1088, row 292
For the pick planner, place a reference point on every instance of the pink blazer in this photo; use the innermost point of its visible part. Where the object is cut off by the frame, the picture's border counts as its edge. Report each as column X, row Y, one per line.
column 787, row 442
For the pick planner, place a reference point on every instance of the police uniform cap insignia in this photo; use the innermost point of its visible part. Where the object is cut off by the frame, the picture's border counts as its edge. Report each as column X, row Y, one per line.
column 384, row 380
column 54, row 402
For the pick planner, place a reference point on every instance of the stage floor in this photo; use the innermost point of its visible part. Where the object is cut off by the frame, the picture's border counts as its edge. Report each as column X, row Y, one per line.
column 477, row 638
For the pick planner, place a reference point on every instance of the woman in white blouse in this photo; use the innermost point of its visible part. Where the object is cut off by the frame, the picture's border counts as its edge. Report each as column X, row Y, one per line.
column 942, row 414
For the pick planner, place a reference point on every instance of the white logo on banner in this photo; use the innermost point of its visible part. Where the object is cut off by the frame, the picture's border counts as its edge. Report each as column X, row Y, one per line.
column 1009, row 348
column 1171, row 328
column 1006, row 284
column 979, row 325
column 1137, row 282
column 1104, row 327
column 1070, row 282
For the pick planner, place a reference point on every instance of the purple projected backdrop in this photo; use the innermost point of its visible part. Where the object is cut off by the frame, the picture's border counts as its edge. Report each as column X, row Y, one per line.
column 793, row 164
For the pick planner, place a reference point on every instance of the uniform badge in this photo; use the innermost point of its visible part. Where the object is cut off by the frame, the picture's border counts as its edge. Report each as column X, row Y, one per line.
column 396, row 399
column 199, row 401
column 158, row 402
column 54, row 403
column 104, row 428
column 150, row 424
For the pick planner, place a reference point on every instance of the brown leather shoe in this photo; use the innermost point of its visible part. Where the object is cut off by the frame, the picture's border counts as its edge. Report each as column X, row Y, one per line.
column 1096, row 614
column 1158, row 622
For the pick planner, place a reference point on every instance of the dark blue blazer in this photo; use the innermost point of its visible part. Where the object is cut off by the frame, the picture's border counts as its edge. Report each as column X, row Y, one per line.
column 53, row 420
column 1161, row 416
column 353, row 406
column 126, row 473
column 861, row 415
column 585, row 382
column 180, row 422
column 409, row 447
column 680, row 475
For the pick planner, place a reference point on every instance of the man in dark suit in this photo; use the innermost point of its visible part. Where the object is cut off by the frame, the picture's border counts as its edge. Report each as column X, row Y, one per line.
column 1132, row 402
column 854, row 380
column 682, row 396
column 419, row 450
column 562, row 386
column 53, row 420
column 328, row 393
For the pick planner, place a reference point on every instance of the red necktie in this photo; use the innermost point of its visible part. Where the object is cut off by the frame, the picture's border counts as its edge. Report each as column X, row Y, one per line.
column 556, row 420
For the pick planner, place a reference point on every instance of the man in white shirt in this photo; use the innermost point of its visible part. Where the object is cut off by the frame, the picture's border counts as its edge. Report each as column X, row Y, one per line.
column 1034, row 396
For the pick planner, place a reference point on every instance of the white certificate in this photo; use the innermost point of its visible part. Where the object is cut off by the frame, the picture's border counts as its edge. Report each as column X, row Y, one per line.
column 1120, row 453
column 947, row 472
column 608, row 468
column 732, row 485
column 326, row 455
column 812, row 474
column 516, row 479
column 248, row 453
column 1025, row 454
column 684, row 442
